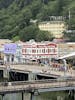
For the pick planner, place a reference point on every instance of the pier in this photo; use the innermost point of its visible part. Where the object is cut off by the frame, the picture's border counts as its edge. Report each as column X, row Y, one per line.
column 56, row 80
column 36, row 87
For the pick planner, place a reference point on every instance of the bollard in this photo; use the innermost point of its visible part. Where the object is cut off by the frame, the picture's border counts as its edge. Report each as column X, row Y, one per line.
column 22, row 95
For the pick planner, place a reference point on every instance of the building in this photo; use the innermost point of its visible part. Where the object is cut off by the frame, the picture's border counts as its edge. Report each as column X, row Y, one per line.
column 65, row 48
column 9, row 52
column 54, row 27
column 22, row 52
column 18, row 55
column 37, row 50
column 2, row 42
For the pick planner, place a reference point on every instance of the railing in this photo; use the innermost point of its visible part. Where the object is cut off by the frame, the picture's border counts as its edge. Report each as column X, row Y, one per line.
column 21, row 63
column 32, row 85
column 61, row 79
column 39, row 81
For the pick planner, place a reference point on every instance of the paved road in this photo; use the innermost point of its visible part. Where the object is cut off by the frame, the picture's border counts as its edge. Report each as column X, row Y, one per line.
column 39, row 69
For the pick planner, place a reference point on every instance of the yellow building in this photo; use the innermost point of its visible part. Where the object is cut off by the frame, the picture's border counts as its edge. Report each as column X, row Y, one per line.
column 54, row 27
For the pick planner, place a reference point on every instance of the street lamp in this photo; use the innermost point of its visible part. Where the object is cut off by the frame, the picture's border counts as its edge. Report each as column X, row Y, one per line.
column 65, row 66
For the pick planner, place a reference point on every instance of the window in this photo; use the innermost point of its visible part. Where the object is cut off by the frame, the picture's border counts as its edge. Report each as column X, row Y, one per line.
column 33, row 51
column 24, row 50
column 49, row 50
column 43, row 50
column 12, row 58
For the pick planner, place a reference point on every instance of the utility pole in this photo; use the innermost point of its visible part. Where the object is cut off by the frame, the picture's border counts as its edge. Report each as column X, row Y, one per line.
column 69, row 16
column 65, row 67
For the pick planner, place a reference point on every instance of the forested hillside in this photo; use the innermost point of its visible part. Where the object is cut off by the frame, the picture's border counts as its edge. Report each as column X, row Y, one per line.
column 15, row 16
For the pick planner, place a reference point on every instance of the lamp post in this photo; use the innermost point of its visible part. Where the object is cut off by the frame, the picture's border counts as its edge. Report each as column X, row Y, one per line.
column 65, row 66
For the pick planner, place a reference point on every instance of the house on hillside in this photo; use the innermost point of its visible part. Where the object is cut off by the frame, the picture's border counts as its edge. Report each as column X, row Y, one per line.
column 56, row 28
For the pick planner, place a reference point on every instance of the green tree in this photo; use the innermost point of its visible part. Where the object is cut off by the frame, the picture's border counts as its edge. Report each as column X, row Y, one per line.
column 16, row 38
column 28, row 33
column 44, row 36
column 27, row 15
column 35, row 8
column 5, row 3
column 15, row 16
column 70, row 35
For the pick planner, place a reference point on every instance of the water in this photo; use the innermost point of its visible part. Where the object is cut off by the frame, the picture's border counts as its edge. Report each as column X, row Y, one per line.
column 42, row 96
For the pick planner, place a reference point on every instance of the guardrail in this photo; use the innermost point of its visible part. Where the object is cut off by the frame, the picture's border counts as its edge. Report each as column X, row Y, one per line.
column 42, row 83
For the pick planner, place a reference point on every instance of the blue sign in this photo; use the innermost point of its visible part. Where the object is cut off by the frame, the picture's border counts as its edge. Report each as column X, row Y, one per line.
column 10, row 48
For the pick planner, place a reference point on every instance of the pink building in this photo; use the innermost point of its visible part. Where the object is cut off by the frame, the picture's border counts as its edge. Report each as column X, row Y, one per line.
column 36, row 50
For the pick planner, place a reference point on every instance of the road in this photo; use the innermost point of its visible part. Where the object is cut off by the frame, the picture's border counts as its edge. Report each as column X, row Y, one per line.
column 39, row 69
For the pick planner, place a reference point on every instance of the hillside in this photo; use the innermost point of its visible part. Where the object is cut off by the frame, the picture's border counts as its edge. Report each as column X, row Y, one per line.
column 15, row 16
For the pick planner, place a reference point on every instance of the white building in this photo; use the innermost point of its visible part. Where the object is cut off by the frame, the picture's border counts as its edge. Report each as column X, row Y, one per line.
column 30, row 50
column 18, row 54
column 9, row 52
column 2, row 42
column 12, row 53
column 35, row 50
